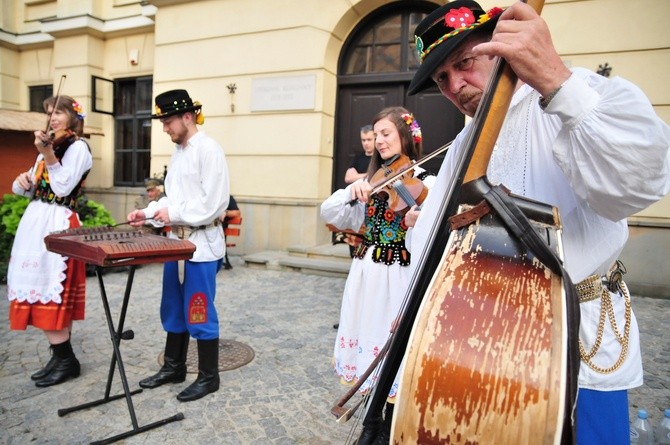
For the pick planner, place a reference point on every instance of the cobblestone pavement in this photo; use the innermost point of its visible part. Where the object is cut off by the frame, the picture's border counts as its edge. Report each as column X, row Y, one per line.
column 283, row 396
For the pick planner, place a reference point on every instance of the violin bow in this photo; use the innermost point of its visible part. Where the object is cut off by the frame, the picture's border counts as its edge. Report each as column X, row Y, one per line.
column 402, row 171
column 343, row 414
column 335, row 229
column 60, row 85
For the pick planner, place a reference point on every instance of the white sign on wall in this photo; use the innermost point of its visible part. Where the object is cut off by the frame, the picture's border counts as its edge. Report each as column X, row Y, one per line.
column 283, row 93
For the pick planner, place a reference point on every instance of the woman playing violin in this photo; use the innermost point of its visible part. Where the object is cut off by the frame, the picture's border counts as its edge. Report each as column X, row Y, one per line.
column 377, row 279
column 47, row 290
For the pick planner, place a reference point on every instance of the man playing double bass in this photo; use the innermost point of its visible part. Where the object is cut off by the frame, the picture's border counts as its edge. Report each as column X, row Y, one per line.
column 590, row 146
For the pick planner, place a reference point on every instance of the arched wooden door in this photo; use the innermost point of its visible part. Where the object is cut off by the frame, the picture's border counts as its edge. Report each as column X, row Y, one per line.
column 375, row 68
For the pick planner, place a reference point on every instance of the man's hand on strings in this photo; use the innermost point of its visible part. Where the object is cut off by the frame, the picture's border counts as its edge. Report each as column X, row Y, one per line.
column 523, row 39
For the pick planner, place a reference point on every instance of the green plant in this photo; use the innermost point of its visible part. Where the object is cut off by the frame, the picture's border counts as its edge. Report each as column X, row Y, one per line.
column 11, row 211
column 12, row 207
column 93, row 214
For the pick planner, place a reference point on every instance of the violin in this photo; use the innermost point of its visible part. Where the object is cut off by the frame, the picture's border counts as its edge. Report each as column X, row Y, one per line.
column 61, row 137
column 58, row 138
column 406, row 190
column 390, row 179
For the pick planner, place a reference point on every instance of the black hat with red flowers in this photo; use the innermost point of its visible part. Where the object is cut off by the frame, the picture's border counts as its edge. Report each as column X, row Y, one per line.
column 440, row 33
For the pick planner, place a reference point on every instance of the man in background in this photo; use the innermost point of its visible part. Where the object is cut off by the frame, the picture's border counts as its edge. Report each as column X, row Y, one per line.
column 153, row 192
column 359, row 164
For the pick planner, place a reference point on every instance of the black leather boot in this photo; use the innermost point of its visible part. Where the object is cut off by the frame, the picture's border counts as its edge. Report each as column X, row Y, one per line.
column 370, row 431
column 174, row 362
column 47, row 368
column 226, row 262
column 208, row 372
column 384, row 436
column 65, row 367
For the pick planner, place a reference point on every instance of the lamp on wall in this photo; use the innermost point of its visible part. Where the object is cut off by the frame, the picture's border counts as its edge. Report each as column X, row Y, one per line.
column 134, row 56
column 231, row 89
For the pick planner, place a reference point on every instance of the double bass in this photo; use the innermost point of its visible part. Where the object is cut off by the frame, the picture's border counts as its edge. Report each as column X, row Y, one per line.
column 489, row 333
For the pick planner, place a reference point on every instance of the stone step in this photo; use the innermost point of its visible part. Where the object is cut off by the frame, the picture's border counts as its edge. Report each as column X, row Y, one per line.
column 315, row 266
column 331, row 252
column 325, row 260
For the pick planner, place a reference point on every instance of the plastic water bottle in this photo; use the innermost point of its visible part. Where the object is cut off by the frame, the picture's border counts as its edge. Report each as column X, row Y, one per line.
column 663, row 429
column 641, row 432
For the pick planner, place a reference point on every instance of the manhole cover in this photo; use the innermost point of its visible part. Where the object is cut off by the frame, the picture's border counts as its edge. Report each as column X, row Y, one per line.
column 232, row 355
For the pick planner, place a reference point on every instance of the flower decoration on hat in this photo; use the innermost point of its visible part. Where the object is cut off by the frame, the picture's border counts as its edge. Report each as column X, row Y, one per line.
column 414, row 127
column 418, row 46
column 79, row 110
column 493, row 12
column 454, row 22
column 175, row 102
column 458, row 18
column 199, row 116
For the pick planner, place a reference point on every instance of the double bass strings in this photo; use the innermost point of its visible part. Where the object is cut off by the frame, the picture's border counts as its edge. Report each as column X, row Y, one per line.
column 431, row 254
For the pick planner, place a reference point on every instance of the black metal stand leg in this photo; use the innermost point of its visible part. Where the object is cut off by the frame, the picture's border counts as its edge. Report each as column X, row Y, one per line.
column 116, row 336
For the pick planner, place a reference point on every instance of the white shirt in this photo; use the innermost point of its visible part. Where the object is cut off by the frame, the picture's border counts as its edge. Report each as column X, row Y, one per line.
column 197, row 191
column 599, row 153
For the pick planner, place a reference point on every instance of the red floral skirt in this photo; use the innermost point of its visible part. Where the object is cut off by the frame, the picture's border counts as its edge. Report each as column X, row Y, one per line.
column 54, row 316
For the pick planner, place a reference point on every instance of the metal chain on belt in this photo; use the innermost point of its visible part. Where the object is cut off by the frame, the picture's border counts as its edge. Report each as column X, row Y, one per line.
column 607, row 311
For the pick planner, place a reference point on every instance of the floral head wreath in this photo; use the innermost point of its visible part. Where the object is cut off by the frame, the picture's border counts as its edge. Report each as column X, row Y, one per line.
column 414, row 127
column 79, row 110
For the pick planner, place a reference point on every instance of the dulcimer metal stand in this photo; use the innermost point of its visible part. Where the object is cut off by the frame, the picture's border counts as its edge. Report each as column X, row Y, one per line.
column 105, row 247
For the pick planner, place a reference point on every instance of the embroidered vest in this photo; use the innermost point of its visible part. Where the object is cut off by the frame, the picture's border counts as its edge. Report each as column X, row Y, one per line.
column 43, row 190
column 385, row 232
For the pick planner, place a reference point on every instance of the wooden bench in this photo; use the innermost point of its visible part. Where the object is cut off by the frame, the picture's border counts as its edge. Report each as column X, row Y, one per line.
column 232, row 229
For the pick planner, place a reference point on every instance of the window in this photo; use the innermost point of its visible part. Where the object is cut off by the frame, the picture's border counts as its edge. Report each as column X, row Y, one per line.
column 375, row 68
column 132, row 115
column 37, row 96
column 385, row 47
